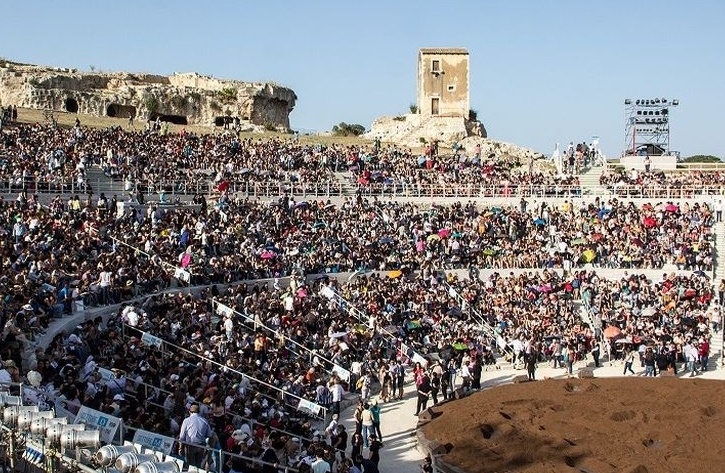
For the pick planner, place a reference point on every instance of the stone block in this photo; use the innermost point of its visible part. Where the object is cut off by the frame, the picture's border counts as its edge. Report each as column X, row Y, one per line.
column 586, row 373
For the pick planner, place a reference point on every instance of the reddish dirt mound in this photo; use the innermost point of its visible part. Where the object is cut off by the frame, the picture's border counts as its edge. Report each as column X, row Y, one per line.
column 628, row 425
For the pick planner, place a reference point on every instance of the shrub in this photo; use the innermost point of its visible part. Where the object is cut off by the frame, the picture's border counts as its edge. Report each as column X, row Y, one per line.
column 345, row 129
column 269, row 126
column 399, row 118
column 151, row 104
column 195, row 96
column 178, row 102
column 472, row 115
column 228, row 94
column 214, row 105
column 413, row 108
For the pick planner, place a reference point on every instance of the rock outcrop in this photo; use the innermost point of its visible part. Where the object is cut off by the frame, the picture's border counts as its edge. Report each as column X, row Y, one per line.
column 188, row 98
column 413, row 129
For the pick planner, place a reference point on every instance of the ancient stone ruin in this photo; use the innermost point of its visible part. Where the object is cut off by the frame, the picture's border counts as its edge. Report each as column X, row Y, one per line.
column 187, row 98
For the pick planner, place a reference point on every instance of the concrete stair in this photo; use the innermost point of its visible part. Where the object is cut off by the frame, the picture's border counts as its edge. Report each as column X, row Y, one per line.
column 347, row 186
column 716, row 342
column 102, row 183
column 589, row 181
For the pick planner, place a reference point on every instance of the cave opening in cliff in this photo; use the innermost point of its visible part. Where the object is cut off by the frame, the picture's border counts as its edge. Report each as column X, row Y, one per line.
column 120, row 111
column 175, row 119
column 221, row 121
column 71, row 105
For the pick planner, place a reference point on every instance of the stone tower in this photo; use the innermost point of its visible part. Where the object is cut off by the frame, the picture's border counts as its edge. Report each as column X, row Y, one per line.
column 443, row 82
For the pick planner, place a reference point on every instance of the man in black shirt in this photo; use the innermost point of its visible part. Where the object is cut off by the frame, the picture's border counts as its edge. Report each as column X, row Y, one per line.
column 423, row 394
column 341, row 442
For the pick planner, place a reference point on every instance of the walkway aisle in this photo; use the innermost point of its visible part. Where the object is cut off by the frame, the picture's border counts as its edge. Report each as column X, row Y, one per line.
column 397, row 423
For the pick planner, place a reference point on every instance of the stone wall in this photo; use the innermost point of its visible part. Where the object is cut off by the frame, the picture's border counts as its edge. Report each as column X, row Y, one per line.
column 187, row 98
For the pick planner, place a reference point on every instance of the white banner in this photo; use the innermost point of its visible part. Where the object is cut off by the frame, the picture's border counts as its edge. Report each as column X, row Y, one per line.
column 159, row 443
column 309, row 406
column 151, row 340
column 108, row 425
column 222, row 310
column 106, row 375
column 341, row 372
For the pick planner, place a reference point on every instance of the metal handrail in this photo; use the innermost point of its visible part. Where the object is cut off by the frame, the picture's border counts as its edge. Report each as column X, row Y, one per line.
column 332, row 187
column 485, row 326
column 276, row 333
column 235, row 371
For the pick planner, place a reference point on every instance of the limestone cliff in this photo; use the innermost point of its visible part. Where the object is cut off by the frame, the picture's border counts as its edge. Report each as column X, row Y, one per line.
column 188, row 98
column 413, row 129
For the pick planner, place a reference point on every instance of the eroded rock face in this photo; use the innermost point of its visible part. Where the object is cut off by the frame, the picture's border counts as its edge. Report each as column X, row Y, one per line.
column 188, row 98
column 413, row 130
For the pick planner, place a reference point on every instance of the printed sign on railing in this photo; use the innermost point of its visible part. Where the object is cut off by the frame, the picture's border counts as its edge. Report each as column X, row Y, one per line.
column 154, row 441
column 151, row 340
column 107, row 424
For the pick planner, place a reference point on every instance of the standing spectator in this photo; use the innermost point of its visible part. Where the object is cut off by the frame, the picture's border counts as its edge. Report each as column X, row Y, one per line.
column 691, row 356
column 358, row 417
column 337, row 392
column 628, row 361
column 195, row 434
column 375, row 411
column 704, row 353
column 340, row 444
column 531, row 364
column 398, row 375
column 715, row 320
column 423, row 389
column 570, row 358
column 595, row 354
column 367, row 424
column 320, row 465
column 356, row 444
column 375, row 446
column 649, row 362
column 435, row 386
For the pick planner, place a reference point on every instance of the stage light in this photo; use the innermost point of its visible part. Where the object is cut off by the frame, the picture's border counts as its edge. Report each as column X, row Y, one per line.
column 73, row 439
column 675, row 102
column 664, row 100
column 158, row 467
column 637, row 102
column 106, row 456
column 665, row 111
column 627, row 101
column 128, row 462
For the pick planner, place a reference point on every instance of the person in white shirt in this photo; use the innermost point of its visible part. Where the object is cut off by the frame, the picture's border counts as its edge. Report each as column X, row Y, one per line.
column 337, row 392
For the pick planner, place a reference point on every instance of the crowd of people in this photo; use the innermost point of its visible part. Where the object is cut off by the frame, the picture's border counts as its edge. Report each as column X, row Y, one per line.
column 69, row 251
column 247, row 365
column 657, row 184
column 465, row 172
column 47, row 158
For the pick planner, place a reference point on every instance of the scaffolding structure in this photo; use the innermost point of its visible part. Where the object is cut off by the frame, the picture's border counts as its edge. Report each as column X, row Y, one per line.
column 647, row 126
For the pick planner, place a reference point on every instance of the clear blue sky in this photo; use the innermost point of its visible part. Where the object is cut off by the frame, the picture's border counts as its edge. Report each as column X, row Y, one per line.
column 541, row 71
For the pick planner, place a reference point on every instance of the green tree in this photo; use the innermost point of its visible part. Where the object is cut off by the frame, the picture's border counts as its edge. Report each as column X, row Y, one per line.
column 345, row 129
column 151, row 104
column 702, row 158
column 413, row 108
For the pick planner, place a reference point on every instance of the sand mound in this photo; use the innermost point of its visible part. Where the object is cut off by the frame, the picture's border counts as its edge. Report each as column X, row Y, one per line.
column 586, row 425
